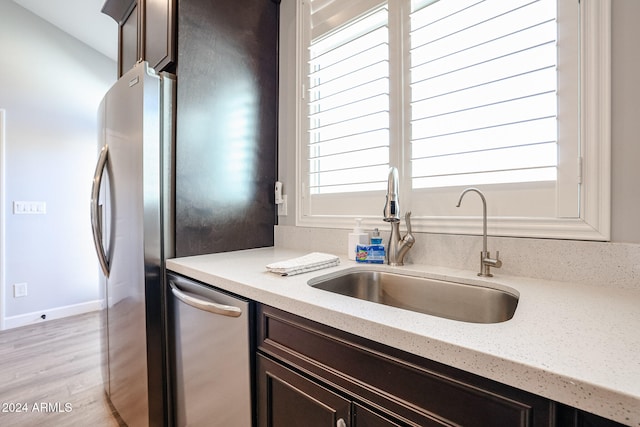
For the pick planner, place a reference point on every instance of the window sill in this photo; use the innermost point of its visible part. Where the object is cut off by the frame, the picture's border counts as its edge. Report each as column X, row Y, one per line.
column 541, row 228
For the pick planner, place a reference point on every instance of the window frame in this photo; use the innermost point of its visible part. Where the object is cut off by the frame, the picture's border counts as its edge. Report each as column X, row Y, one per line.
column 593, row 165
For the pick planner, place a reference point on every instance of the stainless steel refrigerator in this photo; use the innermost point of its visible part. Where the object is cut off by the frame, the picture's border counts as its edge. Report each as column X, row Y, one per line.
column 132, row 222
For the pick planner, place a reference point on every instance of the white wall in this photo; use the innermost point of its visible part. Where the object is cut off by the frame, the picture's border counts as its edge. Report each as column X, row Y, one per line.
column 625, row 121
column 50, row 86
column 625, row 197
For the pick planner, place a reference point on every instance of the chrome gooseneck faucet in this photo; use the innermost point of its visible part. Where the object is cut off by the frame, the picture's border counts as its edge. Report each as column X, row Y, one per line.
column 486, row 262
column 398, row 246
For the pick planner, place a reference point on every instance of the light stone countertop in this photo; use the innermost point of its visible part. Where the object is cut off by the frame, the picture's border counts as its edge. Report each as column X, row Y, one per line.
column 572, row 343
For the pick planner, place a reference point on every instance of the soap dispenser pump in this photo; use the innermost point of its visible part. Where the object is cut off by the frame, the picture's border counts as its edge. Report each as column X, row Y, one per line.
column 356, row 237
column 376, row 239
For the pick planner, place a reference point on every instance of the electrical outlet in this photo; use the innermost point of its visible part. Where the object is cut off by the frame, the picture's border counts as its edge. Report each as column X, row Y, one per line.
column 19, row 290
column 282, row 207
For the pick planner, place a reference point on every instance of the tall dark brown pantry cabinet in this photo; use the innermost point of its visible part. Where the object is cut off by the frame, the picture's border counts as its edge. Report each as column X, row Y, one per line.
column 226, row 125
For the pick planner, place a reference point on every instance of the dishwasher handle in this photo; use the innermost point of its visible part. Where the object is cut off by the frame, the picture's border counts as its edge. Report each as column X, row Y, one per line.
column 200, row 304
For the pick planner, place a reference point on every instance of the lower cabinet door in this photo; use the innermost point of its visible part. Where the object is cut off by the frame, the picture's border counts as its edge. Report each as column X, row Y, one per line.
column 287, row 399
column 367, row 418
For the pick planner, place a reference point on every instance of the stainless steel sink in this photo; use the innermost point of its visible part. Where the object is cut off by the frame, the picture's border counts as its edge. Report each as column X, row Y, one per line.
column 451, row 300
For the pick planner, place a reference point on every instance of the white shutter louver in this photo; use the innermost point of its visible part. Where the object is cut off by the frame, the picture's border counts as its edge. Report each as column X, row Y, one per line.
column 483, row 92
column 348, row 101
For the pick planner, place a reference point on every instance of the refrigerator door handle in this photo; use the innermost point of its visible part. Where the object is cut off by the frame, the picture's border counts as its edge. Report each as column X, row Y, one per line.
column 95, row 211
column 200, row 304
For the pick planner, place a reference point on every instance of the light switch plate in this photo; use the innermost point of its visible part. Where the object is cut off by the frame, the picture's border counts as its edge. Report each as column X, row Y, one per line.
column 29, row 208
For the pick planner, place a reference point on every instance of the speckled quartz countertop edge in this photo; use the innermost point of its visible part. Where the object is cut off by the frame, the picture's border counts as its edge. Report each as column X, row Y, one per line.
column 571, row 343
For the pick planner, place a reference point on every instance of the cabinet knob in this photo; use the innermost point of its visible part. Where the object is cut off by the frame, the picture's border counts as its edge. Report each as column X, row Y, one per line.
column 341, row 423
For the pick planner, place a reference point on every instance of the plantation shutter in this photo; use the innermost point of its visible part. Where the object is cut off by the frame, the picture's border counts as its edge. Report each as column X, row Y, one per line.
column 347, row 98
column 483, row 92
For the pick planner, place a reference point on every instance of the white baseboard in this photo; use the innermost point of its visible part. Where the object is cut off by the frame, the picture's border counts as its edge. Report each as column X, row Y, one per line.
column 51, row 314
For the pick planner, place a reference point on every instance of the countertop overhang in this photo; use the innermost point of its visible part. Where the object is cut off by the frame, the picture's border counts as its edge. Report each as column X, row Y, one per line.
column 572, row 343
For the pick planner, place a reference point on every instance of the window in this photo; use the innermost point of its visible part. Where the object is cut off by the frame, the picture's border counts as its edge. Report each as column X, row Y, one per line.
column 508, row 96
column 349, row 107
column 483, row 92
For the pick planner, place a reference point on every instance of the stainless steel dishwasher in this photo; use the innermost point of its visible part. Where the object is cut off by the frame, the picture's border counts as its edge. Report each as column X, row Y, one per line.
column 209, row 346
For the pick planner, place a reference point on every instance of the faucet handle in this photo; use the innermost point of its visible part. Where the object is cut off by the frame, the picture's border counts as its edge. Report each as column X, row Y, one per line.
column 408, row 238
column 407, row 220
column 498, row 263
column 493, row 262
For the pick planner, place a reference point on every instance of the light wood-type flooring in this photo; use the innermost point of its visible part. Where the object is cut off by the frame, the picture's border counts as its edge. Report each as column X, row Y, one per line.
column 50, row 375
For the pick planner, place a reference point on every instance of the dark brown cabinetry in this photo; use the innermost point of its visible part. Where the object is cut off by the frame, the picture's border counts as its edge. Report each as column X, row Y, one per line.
column 226, row 127
column 146, row 32
column 225, row 56
column 572, row 417
column 158, row 43
column 295, row 400
column 128, row 42
column 330, row 375
column 291, row 399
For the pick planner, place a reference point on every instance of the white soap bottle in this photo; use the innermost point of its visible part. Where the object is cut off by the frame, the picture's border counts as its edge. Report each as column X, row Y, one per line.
column 357, row 236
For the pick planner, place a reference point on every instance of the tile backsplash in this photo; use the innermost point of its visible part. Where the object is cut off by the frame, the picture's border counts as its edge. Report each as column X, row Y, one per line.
column 585, row 262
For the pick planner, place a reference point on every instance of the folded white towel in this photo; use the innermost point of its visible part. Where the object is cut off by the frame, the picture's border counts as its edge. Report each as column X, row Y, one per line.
column 309, row 262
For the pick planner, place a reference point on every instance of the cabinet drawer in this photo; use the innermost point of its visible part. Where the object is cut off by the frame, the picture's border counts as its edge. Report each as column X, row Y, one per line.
column 407, row 385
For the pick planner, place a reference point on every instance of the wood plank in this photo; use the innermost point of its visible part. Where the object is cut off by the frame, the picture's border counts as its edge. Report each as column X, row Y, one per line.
column 50, row 374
